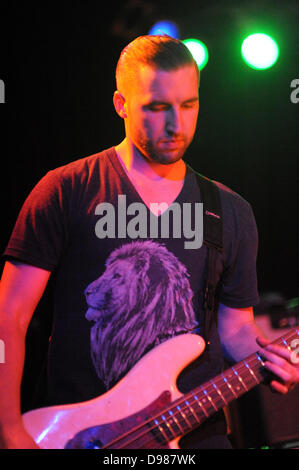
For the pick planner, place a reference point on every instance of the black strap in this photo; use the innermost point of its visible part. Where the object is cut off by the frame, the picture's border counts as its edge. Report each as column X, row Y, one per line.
column 212, row 238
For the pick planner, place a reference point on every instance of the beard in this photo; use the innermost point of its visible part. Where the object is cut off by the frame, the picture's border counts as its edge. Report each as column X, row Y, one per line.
column 164, row 156
column 162, row 152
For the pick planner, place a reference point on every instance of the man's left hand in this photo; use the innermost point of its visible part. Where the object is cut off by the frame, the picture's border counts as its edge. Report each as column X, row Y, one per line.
column 280, row 361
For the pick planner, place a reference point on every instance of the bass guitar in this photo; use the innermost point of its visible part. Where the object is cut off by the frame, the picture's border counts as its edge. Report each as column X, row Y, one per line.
column 145, row 410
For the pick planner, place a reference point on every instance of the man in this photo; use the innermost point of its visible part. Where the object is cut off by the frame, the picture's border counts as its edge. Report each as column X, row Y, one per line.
column 125, row 283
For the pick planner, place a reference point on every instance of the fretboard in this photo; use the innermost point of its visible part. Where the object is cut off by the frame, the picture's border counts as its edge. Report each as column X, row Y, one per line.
column 191, row 410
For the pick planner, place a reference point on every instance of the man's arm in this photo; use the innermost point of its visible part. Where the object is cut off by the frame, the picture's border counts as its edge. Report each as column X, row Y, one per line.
column 21, row 288
column 240, row 337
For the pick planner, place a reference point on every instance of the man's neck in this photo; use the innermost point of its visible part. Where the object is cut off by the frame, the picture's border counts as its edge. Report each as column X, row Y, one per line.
column 136, row 165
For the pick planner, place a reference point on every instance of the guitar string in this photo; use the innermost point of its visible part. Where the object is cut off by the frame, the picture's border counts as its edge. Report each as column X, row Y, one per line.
column 177, row 414
column 183, row 400
column 241, row 367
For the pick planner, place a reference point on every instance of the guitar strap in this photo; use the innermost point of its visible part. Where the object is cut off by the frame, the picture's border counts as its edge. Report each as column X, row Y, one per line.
column 212, row 238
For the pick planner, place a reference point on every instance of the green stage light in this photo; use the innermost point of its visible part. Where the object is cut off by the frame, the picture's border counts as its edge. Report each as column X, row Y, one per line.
column 198, row 50
column 260, row 51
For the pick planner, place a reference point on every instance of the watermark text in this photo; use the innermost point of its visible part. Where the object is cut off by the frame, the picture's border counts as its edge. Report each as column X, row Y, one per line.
column 294, row 96
column 133, row 221
column 2, row 91
column 295, row 354
column 2, row 351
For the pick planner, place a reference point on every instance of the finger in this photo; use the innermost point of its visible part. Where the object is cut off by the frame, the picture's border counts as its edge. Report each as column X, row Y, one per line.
column 263, row 342
column 279, row 387
column 283, row 374
column 279, row 350
column 275, row 358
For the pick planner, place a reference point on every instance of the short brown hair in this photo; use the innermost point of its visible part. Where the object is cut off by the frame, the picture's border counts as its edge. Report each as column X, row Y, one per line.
column 161, row 51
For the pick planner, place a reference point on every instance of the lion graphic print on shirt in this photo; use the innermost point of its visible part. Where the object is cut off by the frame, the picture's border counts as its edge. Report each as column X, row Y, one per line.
column 142, row 298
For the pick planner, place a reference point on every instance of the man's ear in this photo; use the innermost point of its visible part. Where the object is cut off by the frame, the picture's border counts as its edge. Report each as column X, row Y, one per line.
column 120, row 104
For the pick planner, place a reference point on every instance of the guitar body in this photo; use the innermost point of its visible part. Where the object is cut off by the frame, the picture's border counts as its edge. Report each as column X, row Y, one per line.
column 149, row 387
column 145, row 410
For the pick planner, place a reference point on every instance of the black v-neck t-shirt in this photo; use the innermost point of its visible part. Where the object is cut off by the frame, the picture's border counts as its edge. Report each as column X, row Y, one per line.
column 126, row 280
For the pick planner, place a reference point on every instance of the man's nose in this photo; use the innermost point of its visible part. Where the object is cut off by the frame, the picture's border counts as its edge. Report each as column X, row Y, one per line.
column 174, row 121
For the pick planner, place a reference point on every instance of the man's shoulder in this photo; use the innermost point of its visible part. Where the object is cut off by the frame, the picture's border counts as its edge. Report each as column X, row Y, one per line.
column 82, row 167
column 234, row 205
column 229, row 194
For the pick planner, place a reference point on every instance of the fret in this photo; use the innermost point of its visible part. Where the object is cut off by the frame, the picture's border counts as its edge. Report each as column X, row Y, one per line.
column 210, row 400
column 206, row 402
column 192, row 411
column 162, row 431
column 251, row 372
column 185, row 419
column 239, row 378
column 229, row 386
column 215, row 394
column 175, row 423
column 258, row 366
column 260, row 359
column 286, row 343
column 202, row 408
column 167, row 423
column 219, row 392
column 188, row 416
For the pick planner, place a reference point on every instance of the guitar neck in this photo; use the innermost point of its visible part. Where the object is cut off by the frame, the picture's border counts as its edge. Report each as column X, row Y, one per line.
column 191, row 410
column 165, row 421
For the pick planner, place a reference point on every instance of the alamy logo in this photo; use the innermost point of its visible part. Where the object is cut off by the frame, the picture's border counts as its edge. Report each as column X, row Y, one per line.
column 134, row 222
column 2, row 351
column 2, row 92
column 294, row 97
column 295, row 353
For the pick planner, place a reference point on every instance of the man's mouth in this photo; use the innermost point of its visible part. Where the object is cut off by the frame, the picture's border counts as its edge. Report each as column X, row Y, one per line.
column 172, row 143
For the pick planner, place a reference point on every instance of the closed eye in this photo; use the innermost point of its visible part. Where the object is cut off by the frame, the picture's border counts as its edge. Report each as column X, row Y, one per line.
column 190, row 103
column 157, row 106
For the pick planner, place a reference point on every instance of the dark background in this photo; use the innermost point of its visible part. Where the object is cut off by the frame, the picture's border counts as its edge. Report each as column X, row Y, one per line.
column 58, row 62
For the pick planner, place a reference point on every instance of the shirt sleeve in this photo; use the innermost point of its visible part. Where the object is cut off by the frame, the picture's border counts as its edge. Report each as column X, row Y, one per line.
column 239, row 280
column 40, row 233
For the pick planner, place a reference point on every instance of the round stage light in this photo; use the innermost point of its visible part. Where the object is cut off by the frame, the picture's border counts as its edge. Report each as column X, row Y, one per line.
column 199, row 51
column 260, row 51
column 165, row 27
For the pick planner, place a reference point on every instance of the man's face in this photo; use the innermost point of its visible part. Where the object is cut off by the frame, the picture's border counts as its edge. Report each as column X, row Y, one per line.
column 162, row 111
